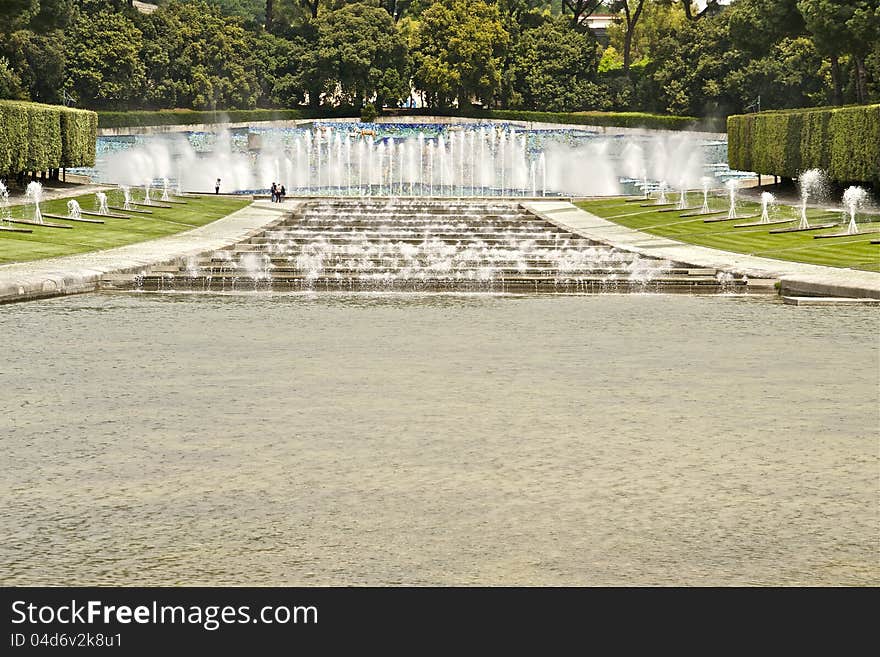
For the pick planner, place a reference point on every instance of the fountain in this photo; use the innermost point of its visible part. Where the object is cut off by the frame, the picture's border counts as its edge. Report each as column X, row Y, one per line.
column 707, row 183
column 767, row 200
column 5, row 215
column 662, row 199
column 147, row 199
column 34, row 194
column 402, row 160
column 73, row 210
column 853, row 199
column 126, row 193
column 406, row 244
column 732, row 186
column 812, row 185
column 101, row 198
column 682, row 196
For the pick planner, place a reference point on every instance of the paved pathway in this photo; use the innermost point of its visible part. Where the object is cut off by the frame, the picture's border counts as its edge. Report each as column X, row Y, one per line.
column 83, row 272
column 796, row 278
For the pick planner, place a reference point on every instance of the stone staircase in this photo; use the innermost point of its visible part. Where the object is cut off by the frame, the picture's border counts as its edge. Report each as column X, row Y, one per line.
column 423, row 245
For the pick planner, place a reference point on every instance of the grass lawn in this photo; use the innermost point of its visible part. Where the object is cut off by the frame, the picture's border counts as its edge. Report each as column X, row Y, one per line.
column 852, row 251
column 51, row 242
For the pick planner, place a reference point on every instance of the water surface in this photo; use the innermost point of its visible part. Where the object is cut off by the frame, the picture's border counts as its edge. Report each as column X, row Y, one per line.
column 274, row 439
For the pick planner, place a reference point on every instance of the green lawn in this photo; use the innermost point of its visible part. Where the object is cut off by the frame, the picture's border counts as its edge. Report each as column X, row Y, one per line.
column 856, row 251
column 51, row 242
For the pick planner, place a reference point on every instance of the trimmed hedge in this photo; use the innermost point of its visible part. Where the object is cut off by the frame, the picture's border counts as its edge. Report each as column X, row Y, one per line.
column 843, row 141
column 139, row 118
column 79, row 131
column 610, row 119
column 36, row 137
column 617, row 119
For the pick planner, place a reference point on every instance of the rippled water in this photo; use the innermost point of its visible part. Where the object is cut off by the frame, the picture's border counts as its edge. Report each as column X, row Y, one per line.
column 385, row 439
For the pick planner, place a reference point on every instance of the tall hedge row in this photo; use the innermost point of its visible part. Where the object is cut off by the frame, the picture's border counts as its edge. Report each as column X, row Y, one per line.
column 844, row 141
column 79, row 131
column 36, row 137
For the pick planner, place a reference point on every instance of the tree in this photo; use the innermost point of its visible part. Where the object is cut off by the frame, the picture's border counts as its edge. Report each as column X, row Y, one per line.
column 580, row 9
column 198, row 58
column 459, row 50
column 826, row 21
column 712, row 7
column 788, row 77
column 658, row 20
column 105, row 70
column 38, row 60
column 841, row 27
column 864, row 26
column 555, row 69
column 361, row 51
column 632, row 12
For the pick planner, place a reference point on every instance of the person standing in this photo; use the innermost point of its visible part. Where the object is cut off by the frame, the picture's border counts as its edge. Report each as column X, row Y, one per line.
column 281, row 194
column 217, row 186
column 273, row 190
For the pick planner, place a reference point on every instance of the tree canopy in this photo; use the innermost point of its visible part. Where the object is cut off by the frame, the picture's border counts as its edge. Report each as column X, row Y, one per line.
column 658, row 55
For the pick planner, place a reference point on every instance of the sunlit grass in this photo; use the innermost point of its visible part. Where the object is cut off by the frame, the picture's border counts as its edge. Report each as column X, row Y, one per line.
column 47, row 242
column 854, row 251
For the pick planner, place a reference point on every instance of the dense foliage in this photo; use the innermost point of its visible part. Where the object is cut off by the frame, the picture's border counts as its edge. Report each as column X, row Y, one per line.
column 661, row 56
column 844, row 141
column 35, row 137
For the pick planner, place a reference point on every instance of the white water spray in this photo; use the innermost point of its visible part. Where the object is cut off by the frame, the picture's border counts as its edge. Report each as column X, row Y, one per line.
column 34, row 194
column 5, row 215
column 853, row 199
column 73, row 210
column 812, row 184
column 126, row 193
column 767, row 201
column 101, row 198
column 732, row 185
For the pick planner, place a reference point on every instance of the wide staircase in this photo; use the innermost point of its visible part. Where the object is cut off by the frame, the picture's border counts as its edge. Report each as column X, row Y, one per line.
column 424, row 245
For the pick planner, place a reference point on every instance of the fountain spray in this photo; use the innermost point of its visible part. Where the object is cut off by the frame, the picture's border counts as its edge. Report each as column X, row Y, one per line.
column 853, row 198
column 732, row 185
column 73, row 210
column 5, row 215
column 126, row 193
column 34, row 193
column 767, row 200
column 707, row 182
column 811, row 184
column 101, row 198
column 682, row 196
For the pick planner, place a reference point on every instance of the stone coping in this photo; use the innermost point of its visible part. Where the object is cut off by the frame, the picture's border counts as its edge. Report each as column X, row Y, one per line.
column 79, row 273
column 795, row 278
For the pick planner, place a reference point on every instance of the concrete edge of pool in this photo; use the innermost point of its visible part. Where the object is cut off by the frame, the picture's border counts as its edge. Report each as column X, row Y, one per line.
column 84, row 272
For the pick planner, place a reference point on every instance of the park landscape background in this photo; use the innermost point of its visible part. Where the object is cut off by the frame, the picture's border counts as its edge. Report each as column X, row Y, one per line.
column 335, row 56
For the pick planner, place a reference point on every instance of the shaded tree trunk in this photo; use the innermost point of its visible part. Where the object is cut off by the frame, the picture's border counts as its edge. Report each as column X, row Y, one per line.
column 270, row 11
column 836, row 83
column 861, row 79
column 632, row 11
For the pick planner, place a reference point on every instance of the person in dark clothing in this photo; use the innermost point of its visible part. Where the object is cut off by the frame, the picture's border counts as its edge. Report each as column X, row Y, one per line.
column 281, row 194
column 273, row 190
column 217, row 186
